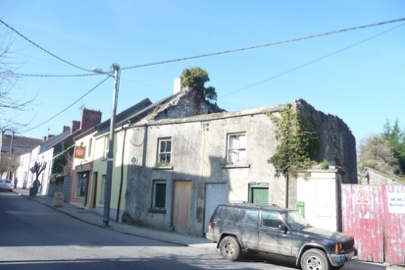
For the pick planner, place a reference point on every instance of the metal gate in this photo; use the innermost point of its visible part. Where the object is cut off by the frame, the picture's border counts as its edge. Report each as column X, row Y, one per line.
column 375, row 217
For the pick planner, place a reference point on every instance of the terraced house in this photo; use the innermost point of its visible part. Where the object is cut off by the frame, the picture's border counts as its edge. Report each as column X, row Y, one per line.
column 175, row 160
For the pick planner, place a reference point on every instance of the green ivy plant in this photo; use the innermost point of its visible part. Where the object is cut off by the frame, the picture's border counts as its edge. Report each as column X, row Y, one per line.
column 196, row 77
column 324, row 165
column 299, row 142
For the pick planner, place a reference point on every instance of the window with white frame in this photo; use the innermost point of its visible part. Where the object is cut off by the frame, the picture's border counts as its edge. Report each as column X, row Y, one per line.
column 164, row 152
column 159, row 194
column 236, row 152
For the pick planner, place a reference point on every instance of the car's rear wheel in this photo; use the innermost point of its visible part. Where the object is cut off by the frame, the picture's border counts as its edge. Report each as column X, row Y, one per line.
column 230, row 248
column 315, row 259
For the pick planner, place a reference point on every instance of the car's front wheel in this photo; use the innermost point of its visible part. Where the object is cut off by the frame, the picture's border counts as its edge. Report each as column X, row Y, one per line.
column 230, row 248
column 315, row 259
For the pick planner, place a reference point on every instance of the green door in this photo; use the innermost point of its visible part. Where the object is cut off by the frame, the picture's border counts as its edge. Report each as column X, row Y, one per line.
column 260, row 195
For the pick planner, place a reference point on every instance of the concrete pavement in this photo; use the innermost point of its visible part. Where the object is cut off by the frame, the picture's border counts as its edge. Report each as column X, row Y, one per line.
column 95, row 219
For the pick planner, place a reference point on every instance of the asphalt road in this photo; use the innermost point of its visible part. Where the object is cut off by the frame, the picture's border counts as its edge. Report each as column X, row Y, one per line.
column 33, row 236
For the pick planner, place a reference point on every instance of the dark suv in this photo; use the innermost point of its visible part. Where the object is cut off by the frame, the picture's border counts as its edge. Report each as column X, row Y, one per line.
column 277, row 230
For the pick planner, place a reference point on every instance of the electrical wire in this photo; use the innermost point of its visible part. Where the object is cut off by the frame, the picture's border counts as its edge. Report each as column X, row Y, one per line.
column 264, row 45
column 65, row 109
column 43, row 49
column 57, row 75
column 313, row 61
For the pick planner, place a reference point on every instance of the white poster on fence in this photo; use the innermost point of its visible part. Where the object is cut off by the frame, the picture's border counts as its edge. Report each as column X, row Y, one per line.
column 396, row 203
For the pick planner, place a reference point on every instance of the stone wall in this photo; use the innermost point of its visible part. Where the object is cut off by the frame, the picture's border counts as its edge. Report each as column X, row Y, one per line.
column 189, row 103
column 337, row 143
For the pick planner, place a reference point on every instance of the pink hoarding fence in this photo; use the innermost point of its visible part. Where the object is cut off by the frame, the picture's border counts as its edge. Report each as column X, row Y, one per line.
column 375, row 217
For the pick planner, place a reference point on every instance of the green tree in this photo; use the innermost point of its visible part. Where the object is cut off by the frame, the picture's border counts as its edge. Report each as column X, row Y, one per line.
column 394, row 137
column 376, row 154
column 196, row 78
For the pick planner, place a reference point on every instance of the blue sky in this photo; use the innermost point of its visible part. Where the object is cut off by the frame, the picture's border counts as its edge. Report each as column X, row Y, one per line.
column 363, row 85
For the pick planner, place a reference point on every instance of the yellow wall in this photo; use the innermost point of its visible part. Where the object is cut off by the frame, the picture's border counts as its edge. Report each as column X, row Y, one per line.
column 100, row 167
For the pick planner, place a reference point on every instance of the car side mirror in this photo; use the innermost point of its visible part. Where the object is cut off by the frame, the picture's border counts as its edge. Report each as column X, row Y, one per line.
column 282, row 227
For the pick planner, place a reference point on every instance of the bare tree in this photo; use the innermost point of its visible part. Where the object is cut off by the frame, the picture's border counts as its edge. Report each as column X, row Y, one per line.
column 37, row 169
column 8, row 80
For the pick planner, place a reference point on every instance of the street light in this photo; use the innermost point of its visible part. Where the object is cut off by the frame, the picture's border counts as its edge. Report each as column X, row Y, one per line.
column 110, row 157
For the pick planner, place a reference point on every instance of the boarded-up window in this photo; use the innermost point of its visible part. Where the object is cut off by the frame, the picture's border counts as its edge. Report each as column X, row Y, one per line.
column 159, row 196
column 260, row 195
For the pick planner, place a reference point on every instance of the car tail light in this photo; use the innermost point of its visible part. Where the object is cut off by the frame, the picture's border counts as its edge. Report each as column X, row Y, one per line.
column 209, row 226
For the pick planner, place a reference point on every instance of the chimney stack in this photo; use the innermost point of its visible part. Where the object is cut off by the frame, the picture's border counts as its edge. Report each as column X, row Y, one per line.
column 90, row 118
column 65, row 128
column 75, row 126
column 177, row 86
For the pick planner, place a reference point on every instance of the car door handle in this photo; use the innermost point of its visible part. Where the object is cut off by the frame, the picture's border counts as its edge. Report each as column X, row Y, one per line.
column 238, row 225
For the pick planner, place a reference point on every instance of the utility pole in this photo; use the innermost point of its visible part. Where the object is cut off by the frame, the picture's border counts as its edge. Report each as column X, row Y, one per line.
column 10, row 157
column 110, row 156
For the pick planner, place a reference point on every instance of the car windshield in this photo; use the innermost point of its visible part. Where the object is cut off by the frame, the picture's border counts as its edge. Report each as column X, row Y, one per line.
column 294, row 220
column 8, row 181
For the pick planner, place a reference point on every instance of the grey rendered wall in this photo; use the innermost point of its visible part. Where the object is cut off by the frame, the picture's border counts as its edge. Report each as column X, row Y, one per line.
column 198, row 154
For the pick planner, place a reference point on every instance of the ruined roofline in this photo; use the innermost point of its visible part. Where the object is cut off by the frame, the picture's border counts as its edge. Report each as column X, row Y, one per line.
column 214, row 116
column 302, row 102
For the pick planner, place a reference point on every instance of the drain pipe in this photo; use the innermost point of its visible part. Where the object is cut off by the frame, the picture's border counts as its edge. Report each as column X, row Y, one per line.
column 122, row 175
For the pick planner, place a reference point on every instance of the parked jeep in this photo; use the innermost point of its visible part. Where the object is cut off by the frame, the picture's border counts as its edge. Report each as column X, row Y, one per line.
column 277, row 230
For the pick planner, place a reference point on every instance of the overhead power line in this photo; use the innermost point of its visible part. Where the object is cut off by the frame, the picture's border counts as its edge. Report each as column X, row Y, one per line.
column 313, row 61
column 59, row 113
column 57, row 75
column 43, row 49
column 265, row 45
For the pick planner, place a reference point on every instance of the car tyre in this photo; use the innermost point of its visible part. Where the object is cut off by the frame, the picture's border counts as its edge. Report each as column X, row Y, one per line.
column 315, row 259
column 230, row 248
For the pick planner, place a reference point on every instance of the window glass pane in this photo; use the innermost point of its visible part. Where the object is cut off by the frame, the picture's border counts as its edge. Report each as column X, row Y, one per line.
column 233, row 156
column 168, row 146
column 241, row 156
column 227, row 213
column 251, row 217
column 270, row 219
column 242, row 141
column 162, row 158
column 162, row 146
column 233, row 142
column 168, row 156
column 160, row 195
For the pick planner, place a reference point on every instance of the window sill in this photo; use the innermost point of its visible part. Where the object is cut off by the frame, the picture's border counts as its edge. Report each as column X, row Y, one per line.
column 236, row 166
column 156, row 210
column 163, row 168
